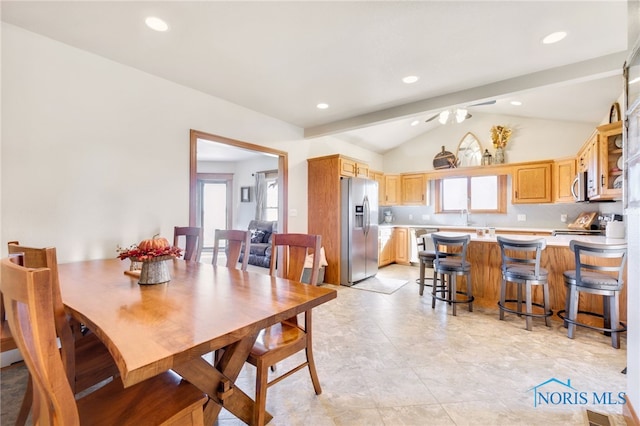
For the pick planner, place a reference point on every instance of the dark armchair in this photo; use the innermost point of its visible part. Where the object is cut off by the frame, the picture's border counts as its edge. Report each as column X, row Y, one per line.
column 260, row 247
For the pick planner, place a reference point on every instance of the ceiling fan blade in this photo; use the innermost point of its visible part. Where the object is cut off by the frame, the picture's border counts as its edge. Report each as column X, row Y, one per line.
column 484, row 103
column 432, row 118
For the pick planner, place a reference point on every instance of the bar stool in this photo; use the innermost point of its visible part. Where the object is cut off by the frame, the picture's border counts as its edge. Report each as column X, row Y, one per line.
column 451, row 261
column 603, row 280
column 521, row 266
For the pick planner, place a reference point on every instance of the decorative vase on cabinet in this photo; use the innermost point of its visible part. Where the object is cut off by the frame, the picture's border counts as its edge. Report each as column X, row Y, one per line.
column 499, row 159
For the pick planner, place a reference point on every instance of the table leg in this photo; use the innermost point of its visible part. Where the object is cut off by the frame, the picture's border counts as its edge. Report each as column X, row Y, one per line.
column 218, row 382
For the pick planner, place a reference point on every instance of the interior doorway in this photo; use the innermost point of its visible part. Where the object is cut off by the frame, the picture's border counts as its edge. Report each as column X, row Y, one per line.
column 215, row 206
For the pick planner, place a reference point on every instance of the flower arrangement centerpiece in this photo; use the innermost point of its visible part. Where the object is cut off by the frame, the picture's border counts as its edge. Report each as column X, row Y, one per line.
column 151, row 253
column 500, row 136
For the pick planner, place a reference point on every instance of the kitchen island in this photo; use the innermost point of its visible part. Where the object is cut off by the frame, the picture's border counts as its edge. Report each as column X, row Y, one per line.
column 485, row 258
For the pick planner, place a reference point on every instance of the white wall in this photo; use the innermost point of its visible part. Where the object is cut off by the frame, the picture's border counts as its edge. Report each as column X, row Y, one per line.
column 96, row 154
column 531, row 140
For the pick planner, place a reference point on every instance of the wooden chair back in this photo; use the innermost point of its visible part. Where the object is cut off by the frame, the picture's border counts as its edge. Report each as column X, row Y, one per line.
column 46, row 258
column 296, row 248
column 235, row 241
column 29, row 297
column 193, row 241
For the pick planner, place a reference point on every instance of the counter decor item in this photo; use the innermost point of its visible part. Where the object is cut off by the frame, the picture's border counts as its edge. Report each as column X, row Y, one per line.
column 151, row 254
column 500, row 136
column 487, row 159
column 583, row 221
column 444, row 160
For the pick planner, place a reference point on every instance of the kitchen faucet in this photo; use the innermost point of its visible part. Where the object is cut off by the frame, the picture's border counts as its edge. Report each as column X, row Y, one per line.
column 465, row 213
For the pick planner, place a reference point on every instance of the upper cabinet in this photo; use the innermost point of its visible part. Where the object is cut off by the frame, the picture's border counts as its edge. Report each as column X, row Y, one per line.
column 352, row 168
column 608, row 163
column 532, row 183
column 388, row 188
column 414, row 189
column 564, row 171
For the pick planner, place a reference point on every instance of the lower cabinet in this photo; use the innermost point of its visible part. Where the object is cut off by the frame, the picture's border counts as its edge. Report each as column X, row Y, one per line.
column 386, row 246
column 401, row 237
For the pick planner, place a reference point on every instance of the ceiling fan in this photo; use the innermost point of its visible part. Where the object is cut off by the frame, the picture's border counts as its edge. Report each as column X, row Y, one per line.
column 456, row 115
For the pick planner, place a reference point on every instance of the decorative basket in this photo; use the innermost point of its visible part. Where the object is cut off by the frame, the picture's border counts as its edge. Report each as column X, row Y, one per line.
column 154, row 270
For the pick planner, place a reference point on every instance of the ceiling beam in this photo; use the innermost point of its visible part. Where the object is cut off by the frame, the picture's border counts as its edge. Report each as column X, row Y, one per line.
column 601, row 67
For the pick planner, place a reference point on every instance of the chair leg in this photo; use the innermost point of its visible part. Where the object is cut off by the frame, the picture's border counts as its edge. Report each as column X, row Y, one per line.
column 469, row 291
column 262, row 375
column 573, row 309
column 567, row 304
column 452, row 292
column 606, row 313
column 528, row 319
column 27, row 402
column 422, row 267
column 312, row 370
column 503, row 297
column 547, row 305
column 519, row 298
column 434, row 290
column 614, row 310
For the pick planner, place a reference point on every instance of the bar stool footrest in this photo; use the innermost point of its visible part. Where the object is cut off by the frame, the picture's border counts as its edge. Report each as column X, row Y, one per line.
column 533, row 315
column 444, row 299
column 623, row 326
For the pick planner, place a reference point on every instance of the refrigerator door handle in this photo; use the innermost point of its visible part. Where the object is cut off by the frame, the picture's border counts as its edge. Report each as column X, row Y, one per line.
column 367, row 219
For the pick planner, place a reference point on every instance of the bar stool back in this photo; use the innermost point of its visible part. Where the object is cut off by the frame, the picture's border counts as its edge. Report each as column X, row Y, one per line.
column 591, row 276
column 451, row 261
column 521, row 266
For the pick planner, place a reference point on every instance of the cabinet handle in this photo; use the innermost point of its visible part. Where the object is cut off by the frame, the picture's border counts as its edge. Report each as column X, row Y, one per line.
column 601, row 180
column 516, row 195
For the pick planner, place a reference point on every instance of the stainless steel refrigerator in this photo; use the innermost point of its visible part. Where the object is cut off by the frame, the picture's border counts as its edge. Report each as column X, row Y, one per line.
column 359, row 230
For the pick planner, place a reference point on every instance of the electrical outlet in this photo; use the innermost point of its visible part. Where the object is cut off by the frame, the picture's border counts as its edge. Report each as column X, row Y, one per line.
column 522, row 217
column 426, row 217
column 563, row 218
column 410, row 217
column 293, row 212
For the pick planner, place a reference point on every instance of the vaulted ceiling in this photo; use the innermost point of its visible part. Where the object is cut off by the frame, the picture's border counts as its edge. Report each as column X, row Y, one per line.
column 283, row 58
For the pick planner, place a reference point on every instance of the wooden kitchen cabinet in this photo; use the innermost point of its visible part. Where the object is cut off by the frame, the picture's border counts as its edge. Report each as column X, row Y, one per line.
column 401, row 237
column 532, row 183
column 414, row 190
column 608, row 163
column 564, row 171
column 350, row 167
column 386, row 246
column 392, row 190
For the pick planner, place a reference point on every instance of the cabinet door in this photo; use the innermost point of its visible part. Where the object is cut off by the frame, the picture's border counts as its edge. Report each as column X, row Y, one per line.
column 392, row 189
column 379, row 177
column 609, row 162
column 564, row 171
column 401, row 237
column 386, row 242
column 532, row 183
column 414, row 189
column 362, row 170
column 348, row 167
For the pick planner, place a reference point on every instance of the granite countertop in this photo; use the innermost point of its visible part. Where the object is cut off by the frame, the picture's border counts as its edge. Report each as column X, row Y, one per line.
column 555, row 241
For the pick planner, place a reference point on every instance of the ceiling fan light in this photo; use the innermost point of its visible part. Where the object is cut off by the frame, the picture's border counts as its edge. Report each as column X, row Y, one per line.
column 444, row 116
column 461, row 115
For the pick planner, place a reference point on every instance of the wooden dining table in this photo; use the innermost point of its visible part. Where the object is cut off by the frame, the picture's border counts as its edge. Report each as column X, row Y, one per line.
column 153, row 328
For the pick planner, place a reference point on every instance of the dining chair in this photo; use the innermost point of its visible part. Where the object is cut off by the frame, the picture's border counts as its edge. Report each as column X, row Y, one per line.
column 86, row 359
column 287, row 338
column 235, row 241
column 31, row 312
column 193, row 241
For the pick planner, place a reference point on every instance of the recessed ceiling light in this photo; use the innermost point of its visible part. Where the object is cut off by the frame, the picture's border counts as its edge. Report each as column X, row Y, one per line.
column 322, row 105
column 554, row 37
column 410, row 79
column 156, row 24
column 516, row 103
column 415, row 122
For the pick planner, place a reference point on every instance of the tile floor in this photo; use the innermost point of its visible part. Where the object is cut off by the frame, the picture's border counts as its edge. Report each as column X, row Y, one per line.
column 393, row 360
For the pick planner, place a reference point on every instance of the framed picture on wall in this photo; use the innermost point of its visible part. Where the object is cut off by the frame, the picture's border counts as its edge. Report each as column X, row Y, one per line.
column 245, row 194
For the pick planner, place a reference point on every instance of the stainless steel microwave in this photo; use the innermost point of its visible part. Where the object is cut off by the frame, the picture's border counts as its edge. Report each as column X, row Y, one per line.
column 579, row 188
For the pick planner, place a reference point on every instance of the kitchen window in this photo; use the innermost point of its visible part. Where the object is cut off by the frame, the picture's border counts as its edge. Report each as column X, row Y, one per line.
column 476, row 194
